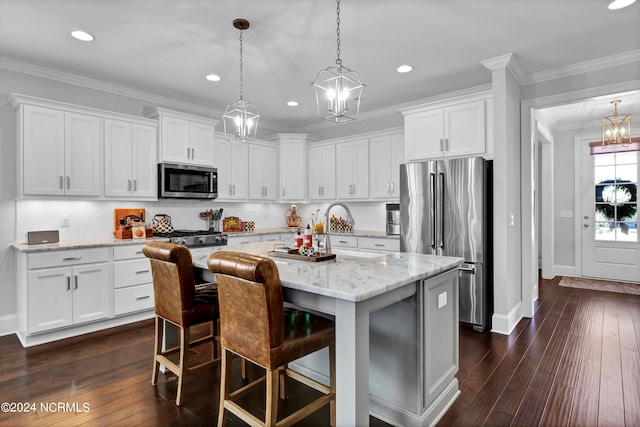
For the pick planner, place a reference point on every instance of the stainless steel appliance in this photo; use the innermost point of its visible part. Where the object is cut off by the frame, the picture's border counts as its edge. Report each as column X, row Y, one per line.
column 445, row 209
column 393, row 219
column 195, row 238
column 180, row 181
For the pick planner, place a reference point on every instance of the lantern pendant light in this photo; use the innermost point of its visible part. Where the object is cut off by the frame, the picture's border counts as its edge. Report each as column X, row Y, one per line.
column 616, row 129
column 241, row 117
column 338, row 88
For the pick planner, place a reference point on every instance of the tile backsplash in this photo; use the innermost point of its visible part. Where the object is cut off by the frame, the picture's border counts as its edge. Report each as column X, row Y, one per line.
column 83, row 219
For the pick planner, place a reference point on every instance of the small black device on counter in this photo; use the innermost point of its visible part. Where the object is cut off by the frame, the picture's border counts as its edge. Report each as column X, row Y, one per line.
column 43, row 237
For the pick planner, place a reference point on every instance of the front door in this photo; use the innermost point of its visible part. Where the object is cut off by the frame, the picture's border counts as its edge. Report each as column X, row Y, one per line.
column 610, row 246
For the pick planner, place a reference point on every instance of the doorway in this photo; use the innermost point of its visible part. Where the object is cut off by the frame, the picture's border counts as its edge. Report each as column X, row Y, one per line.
column 608, row 220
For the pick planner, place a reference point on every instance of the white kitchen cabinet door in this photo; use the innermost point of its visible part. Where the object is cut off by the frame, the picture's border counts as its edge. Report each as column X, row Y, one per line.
column 82, row 155
column 174, row 140
column 423, row 134
column 43, row 151
column 454, row 131
column 321, row 167
column 464, row 129
column 202, row 138
column 293, row 154
column 50, row 299
column 144, row 166
column 352, row 169
column 91, row 293
column 117, row 161
column 386, row 153
column 263, row 172
column 130, row 160
column 232, row 162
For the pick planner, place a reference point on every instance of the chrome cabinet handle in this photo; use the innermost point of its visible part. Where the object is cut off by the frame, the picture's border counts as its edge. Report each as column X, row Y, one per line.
column 76, row 280
column 142, row 271
column 61, row 181
column 380, row 245
column 141, row 298
column 129, row 185
column 188, row 152
column 135, row 185
column 68, row 283
column 68, row 182
column 71, row 259
column 441, row 144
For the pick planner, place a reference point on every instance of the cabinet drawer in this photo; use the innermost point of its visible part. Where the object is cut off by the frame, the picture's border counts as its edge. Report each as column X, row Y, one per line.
column 379, row 244
column 241, row 240
column 134, row 298
column 68, row 257
column 339, row 240
column 127, row 252
column 132, row 272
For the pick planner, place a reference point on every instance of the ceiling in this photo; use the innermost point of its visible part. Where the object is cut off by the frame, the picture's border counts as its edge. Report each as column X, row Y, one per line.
column 166, row 47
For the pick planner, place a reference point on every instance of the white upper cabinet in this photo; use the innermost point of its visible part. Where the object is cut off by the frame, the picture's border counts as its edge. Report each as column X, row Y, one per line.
column 185, row 138
column 321, row 172
column 352, row 169
column 60, row 152
column 447, row 129
column 130, row 160
column 232, row 162
column 293, row 167
column 263, row 172
column 386, row 153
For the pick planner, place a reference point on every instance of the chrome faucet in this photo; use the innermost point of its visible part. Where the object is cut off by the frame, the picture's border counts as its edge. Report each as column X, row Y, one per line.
column 327, row 245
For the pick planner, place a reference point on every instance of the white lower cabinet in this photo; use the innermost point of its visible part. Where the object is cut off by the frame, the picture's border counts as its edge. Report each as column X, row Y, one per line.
column 378, row 244
column 132, row 280
column 68, row 288
column 243, row 239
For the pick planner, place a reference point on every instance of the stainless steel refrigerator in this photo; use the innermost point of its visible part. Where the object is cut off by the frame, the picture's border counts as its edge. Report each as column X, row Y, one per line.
column 445, row 209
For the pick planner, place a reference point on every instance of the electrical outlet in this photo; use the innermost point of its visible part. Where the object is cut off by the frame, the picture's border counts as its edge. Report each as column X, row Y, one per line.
column 65, row 220
column 442, row 300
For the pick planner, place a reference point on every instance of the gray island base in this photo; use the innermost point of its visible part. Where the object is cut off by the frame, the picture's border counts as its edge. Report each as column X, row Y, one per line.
column 396, row 329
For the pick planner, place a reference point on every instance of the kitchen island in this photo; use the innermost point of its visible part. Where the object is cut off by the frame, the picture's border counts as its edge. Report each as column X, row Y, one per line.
column 396, row 321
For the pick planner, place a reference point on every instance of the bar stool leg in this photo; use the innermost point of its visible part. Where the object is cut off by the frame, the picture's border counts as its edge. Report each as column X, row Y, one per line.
column 157, row 349
column 225, row 372
column 184, row 353
column 273, row 380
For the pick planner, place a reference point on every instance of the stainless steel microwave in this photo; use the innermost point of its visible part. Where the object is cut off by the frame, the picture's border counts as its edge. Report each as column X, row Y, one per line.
column 181, row 181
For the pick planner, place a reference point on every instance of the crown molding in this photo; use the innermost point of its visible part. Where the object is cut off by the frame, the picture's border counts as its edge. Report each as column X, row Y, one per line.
column 111, row 88
column 509, row 62
column 584, row 67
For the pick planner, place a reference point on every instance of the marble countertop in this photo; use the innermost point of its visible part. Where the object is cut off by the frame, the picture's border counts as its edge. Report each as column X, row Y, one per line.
column 356, row 233
column 84, row 244
column 112, row 241
column 352, row 276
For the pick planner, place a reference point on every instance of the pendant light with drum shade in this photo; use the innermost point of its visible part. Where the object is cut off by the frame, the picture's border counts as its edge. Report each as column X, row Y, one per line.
column 338, row 88
column 241, row 118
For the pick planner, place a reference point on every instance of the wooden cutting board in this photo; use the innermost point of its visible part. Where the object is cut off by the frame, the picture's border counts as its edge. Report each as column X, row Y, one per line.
column 312, row 258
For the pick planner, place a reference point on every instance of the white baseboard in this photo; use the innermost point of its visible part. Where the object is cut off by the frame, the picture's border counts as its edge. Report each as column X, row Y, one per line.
column 504, row 324
column 564, row 270
column 8, row 324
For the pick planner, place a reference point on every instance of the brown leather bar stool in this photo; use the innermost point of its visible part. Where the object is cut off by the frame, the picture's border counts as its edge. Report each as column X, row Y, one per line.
column 255, row 326
column 178, row 300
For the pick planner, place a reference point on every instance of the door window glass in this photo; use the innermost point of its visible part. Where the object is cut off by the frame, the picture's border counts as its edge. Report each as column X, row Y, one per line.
column 616, row 197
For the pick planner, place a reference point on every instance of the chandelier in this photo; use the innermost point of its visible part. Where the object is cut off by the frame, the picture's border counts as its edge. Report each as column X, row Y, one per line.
column 616, row 129
column 241, row 117
column 338, row 88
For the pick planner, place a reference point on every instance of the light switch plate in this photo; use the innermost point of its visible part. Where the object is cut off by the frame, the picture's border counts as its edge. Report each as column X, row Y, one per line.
column 566, row 214
column 442, row 300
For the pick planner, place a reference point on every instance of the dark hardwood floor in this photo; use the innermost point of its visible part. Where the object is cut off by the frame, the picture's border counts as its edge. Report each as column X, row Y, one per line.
column 576, row 362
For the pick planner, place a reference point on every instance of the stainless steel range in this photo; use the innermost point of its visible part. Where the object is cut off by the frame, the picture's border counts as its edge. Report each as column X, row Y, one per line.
column 195, row 238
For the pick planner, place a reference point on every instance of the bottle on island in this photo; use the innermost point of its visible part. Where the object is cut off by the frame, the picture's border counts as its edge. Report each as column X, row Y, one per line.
column 298, row 239
column 306, row 239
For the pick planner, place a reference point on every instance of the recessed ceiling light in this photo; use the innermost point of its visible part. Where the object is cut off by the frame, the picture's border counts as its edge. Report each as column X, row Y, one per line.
column 404, row 68
column 619, row 4
column 212, row 77
column 82, row 35
column 292, row 103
